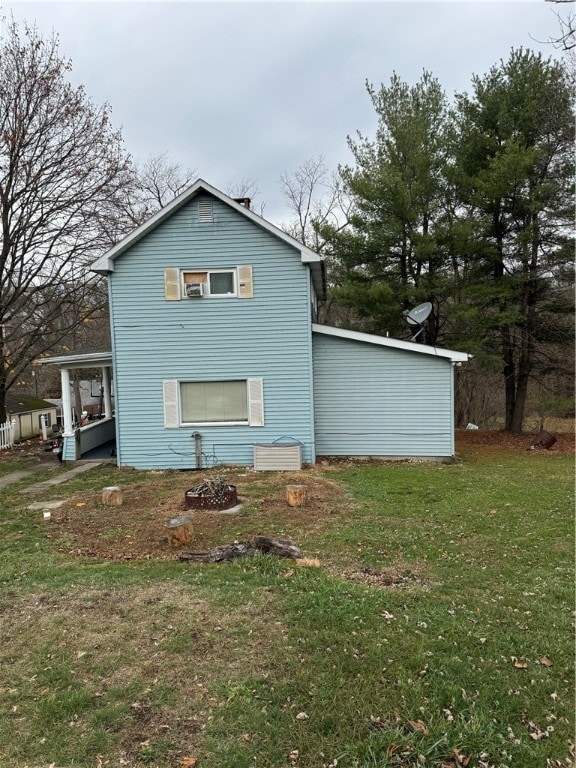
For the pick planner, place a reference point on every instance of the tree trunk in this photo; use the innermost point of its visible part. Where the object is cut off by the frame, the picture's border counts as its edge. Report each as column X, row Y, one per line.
column 2, row 396
column 517, row 418
column 509, row 372
column 3, row 377
column 77, row 398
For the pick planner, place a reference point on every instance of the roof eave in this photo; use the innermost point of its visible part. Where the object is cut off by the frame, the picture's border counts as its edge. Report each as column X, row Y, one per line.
column 78, row 360
column 385, row 341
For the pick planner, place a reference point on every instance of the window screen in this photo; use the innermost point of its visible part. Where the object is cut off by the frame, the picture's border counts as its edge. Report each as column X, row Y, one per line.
column 212, row 401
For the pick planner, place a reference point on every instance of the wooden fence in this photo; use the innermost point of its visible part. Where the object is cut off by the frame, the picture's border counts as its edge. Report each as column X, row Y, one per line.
column 7, row 435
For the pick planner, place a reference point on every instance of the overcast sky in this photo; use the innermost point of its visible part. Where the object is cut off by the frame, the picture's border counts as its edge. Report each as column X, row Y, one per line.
column 248, row 90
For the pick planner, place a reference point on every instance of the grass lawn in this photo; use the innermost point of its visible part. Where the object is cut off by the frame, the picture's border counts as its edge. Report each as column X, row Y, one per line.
column 437, row 631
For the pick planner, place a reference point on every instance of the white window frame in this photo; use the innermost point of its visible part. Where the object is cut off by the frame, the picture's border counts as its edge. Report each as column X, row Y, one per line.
column 175, row 282
column 173, row 406
column 207, row 294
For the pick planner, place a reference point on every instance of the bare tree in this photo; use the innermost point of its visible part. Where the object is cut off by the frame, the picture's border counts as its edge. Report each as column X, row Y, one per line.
column 246, row 188
column 566, row 40
column 157, row 181
column 316, row 198
column 63, row 180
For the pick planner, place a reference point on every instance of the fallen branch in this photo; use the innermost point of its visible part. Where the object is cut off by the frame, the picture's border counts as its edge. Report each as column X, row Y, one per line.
column 257, row 545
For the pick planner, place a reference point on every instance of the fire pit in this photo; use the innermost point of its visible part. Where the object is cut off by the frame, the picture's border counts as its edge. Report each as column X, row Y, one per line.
column 211, row 494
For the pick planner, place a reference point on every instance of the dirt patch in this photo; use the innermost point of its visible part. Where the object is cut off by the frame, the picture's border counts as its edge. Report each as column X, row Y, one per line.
column 389, row 577
column 135, row 531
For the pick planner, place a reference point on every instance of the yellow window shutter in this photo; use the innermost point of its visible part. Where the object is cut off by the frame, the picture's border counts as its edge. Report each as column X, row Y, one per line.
column 256, row 402
column 245, row 286
column 172, row 284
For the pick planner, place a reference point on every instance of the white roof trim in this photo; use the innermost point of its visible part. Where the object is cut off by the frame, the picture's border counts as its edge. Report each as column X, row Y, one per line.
column 384, row 341
column 105, row 263
column 77, row 360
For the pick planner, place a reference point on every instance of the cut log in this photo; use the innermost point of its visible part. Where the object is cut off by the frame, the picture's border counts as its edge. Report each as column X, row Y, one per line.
column 112, row 496
column 295, row 495
column 278, row 547
column 257, row 545
column 179, row 531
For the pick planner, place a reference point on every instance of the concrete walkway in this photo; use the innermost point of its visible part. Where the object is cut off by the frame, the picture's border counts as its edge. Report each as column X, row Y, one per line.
column 15, row 477
column 71, row 473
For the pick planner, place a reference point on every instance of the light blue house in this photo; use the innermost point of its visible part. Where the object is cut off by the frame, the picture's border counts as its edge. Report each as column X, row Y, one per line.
column 217, row 357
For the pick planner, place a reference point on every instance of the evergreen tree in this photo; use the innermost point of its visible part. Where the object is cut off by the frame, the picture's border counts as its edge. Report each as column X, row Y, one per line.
column 393, row 254
column 515, row 168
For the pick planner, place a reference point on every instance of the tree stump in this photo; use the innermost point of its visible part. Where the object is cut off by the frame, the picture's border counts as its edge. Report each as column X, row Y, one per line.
column 112, row 496
column 179, row 531
column 543, row 440
column 295, row 495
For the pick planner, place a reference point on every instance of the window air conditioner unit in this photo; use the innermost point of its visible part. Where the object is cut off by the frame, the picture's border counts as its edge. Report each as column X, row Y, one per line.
column 195, row 290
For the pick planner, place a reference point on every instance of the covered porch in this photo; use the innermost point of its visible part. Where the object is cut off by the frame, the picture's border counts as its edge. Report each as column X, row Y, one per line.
column 94, row 439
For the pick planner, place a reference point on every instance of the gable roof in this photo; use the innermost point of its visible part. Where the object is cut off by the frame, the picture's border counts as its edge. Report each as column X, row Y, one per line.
column 105, row 264
column 384, row 341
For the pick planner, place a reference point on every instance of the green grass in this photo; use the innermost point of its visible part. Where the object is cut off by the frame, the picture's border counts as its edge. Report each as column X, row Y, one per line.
column 242, row 664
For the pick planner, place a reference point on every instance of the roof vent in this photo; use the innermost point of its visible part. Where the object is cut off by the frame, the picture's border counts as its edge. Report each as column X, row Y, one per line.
column 205, row 212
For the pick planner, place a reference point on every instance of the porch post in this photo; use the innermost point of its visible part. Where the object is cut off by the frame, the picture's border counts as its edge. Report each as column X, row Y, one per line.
column 107, row 392
column 66, row 401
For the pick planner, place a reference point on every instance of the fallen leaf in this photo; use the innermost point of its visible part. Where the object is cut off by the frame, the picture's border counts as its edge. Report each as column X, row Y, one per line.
column 458, row 759
column 311, row 562
column 519, row 663
column 289, row 573
column 536, row 733
column 188, row 762
column 302, row 716
column 545, row 661
column 417, row 726
column 380, row 724
column 293, row 756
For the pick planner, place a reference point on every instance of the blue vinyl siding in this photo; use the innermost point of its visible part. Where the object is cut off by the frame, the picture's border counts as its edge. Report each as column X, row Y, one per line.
column 268, row 336
column 377, row 401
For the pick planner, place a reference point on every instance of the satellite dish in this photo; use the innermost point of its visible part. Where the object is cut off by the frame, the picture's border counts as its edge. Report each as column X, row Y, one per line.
column 419, row 314
column 418, row 317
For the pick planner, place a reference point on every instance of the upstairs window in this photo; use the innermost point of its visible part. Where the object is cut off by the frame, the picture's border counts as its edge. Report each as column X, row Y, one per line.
column 217, row 282
column 211, row 283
